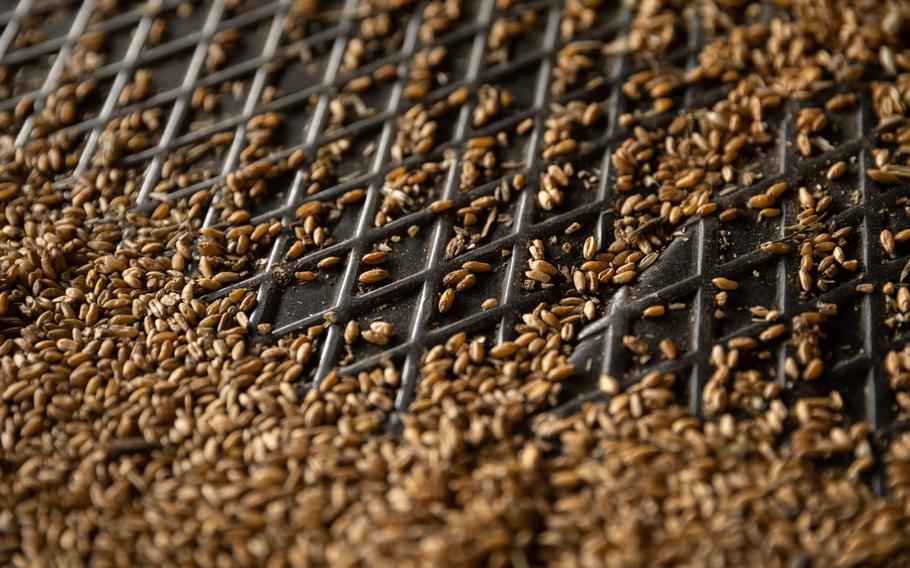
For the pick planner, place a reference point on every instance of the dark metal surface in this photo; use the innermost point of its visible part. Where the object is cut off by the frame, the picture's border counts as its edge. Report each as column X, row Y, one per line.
column 683, row 273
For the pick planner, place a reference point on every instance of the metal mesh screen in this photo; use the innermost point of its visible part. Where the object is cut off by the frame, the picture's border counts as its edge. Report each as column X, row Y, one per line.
column 309, row 70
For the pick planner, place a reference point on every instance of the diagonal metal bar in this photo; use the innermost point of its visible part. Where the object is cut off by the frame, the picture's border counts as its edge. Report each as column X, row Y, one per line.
column 11, row 27
column 53, row 76
column 153, row 173
column 129, row 61
column 252, row 99
column 348, row 286
column 425, row 302
column 267, row 296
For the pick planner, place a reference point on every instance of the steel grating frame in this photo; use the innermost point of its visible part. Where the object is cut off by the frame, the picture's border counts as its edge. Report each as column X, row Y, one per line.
column 600, row 349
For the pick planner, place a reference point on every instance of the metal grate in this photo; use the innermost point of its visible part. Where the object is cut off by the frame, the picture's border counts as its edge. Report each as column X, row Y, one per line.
column 682, row 274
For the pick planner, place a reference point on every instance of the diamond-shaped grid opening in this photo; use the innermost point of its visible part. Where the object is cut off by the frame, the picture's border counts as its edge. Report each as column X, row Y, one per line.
column 581, row 225
column 485, row 333
column 258, row 251
column 295, row 298
column 676, row 49
column 439, row 24
column 396, row 308
column 167, row 69
column 516, row 33
column 506, row 214
column 518, row 83
column 645, row 343
column 304, row 23
column 340, row 212
column 299, row 246
column 569, row 237
column 85, row 106
column 214, row 103
column 116, row 42
column 297, row 116
column 513, row 142
column 764, row 159
column 226, row 203
column 594, row 91
column 663, row 81
column 844, row 190
column 591, row 106
column 438, row 65
column 369, row 100
column 135, row 171
column 583, row 185
column 106, row 10
column 356, row 157
column 555, row 253
column 851, row 245
column 26, row 77
column 737, row 311
column 591, row 367
column 706, row 94
column 197, row 160
column 850, row 382
column 746, row 234
column 176, row 23
column 588, row 370
column 402, row 250
column 845, row 338
column 376, row 47
column 471, row 289
column 147, row 125
column 816, row 131
column 588, row 61
column 484, row 182
column 72, row 150
column 38, row 27
column 675, row 263
column 194, row 127
column 492, row 223
column 446, row 118
column 274, row 197
column 90, row 106
column 235, row 45
column 237, row 7
column 744, row 387
column 301, row 67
